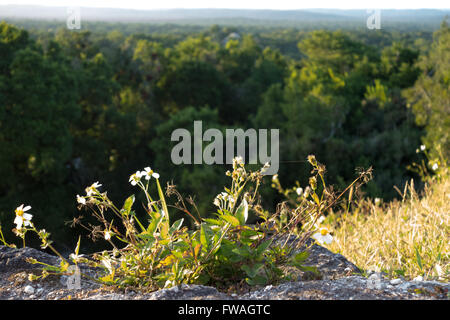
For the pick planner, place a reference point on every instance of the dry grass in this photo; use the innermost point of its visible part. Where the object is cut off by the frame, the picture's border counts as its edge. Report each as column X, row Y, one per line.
column 408, row 237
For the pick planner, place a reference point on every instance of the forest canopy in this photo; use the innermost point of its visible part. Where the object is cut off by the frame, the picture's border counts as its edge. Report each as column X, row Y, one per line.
column 79, row 106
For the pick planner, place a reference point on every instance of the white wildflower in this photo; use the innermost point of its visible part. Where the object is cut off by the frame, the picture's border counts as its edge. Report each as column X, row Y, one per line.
column 92, row 189
column 81, row 200
column 148, row 173
column 135, row 178
column 323, row 236
column 76, row 257
column 22, row 218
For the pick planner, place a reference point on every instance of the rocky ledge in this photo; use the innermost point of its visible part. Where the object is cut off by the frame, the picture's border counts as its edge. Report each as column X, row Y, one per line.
column 339, row 279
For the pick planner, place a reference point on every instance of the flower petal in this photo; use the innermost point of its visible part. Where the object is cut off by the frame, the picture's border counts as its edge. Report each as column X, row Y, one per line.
column 19, row 222
column 328, row 239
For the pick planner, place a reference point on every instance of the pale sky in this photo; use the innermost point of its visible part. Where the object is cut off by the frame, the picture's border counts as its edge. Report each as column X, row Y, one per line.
column 241, row 4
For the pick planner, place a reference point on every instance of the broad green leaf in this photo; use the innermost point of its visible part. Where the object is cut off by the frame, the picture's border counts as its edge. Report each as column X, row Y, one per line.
column 252, row 271
column 146, row 235
column 230, row 219
column 248, row 270
column 250, row 235
column 205, row 236
column 242, row 212
column 176, row 225
column 310, row 269
column 257, row 280
column 154, row 223
column 263, row 247
column 177, row 254
column 216, row 222
column 128, row 204
column 242, row 251
column 301, row 256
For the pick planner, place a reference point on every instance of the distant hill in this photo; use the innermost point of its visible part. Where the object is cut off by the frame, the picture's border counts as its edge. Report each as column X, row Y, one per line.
column 429, row 17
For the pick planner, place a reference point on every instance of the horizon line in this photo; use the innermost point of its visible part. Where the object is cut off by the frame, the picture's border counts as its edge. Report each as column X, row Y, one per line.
column 213, row 8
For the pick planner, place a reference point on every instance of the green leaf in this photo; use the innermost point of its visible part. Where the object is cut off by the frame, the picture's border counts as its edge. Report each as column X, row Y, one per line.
column 310, row 269
column 242, row 251
column 146, row 235
column 419, row 259
column 230, row 219
column 316, row 198
column 176, row 225
column 139, row 223
column 165, row 225
column 257, row 280
column 400, row 272
column 77, row 249
column 263, row 247
column 205, row 236
column 249, row 235
column 127, row 205
column 177, row 254
column 301, row 256
column 242, row 212
column 252, row 271
column 154, row 223
column 216, row 222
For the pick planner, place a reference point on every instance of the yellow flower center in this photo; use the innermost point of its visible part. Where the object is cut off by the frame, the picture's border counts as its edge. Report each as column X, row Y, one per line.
column 323, row 231
column 19, row 212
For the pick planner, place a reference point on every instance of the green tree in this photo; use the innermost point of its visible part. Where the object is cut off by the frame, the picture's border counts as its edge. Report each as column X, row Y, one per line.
column 38, row 105
column 429, row 98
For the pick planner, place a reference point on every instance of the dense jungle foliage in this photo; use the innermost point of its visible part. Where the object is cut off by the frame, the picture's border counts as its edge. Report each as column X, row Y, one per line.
column 79, row 106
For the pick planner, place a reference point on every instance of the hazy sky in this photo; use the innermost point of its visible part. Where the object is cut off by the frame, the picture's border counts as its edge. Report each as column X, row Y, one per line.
column 241, row 4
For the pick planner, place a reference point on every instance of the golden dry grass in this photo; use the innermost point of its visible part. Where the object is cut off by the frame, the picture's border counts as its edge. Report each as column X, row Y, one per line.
column 408, row 237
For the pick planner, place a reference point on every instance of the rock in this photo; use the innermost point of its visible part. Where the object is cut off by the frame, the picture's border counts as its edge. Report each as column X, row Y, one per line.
column 334, row 284
column 375, row 281
column 174, row 289
column 13, row 259
column 189, row 292
column 63, row 280
column 418, row 279
column 112, row 296
column 28, row 289
column 352, row 287
column 330, row 265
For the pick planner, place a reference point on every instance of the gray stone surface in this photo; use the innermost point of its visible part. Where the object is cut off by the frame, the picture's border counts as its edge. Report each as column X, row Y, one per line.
column 339, row 280
column 12, row 259
column 330, row 265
